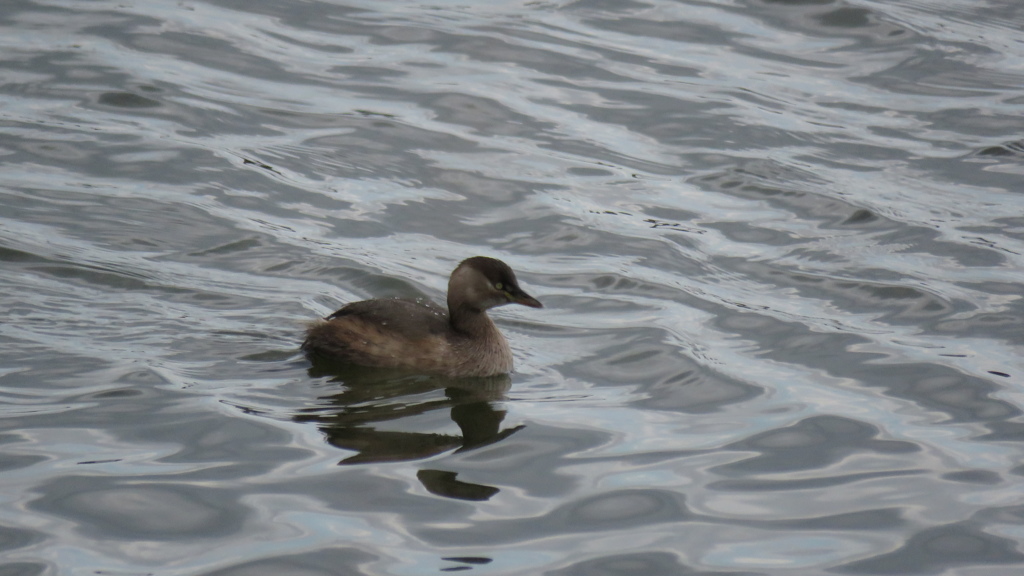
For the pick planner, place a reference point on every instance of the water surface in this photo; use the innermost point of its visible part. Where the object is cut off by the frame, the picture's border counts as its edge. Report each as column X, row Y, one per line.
column 779, row 244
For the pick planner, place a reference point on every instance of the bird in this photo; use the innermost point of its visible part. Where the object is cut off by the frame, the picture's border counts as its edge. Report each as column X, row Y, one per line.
column 418, row 335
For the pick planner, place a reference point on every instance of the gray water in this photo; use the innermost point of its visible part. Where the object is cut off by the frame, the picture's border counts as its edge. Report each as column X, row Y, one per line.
column 779, row 244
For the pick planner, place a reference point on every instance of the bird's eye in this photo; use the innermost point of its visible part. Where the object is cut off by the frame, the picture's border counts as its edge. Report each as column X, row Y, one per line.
column 498, row 286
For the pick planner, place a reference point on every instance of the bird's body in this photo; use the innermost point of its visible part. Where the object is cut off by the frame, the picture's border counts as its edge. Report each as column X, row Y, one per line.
column 421, row 336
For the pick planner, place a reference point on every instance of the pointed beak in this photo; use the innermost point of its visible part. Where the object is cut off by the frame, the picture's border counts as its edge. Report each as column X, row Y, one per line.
column 525, row 299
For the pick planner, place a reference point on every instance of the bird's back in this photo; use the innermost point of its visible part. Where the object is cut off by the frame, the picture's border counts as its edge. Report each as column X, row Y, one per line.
column 384, row 333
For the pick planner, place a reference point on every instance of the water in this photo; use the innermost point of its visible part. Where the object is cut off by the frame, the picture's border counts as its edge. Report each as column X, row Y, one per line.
column 779, row 245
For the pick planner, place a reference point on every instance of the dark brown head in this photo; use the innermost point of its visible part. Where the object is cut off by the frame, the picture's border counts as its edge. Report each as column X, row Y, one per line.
column 480, row 283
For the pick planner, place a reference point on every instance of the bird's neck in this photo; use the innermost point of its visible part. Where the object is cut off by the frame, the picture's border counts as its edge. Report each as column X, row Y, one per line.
column 471, row 322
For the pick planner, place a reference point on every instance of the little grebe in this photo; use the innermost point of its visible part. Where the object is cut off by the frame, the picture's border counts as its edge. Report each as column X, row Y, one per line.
column 420, row 336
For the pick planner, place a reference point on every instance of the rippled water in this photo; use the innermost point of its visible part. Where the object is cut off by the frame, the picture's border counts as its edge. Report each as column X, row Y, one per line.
column 779, row 244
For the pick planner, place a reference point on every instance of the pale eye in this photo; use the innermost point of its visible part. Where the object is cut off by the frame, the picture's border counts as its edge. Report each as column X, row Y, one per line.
column 498, row 286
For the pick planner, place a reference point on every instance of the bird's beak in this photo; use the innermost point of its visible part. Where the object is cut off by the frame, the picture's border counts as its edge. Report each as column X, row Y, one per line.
column 525, row 299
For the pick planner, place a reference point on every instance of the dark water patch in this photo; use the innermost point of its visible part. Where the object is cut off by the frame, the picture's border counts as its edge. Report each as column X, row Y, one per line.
column 846, row 18
column 12, row 255
column 147, row 510
column 24, row 568
column 935, row 550
column 588, row 172
column 12, row 538
column 126, row 100
column 974, row 477
column 814, row 442
column 11, row 462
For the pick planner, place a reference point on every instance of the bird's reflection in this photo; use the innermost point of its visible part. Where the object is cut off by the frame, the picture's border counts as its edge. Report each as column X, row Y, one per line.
column 349, row 419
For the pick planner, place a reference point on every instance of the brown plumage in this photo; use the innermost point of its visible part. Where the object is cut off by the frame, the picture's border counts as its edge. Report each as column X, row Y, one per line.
column 421, row 336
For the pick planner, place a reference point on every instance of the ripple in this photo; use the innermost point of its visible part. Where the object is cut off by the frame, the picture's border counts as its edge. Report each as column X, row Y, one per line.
column 778, row 243
column 155, row 511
